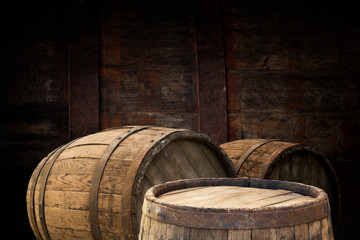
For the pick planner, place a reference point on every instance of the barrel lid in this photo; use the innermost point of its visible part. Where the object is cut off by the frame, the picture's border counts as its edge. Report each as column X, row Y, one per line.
column 242, row 203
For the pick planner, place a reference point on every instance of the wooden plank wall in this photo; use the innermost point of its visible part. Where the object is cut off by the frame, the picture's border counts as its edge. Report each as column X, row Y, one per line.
column 230, row 69
column 163, row 64
column 148, row 65
column 83, row 55
column 289, row 76
column 34, row 97
column 293, row 73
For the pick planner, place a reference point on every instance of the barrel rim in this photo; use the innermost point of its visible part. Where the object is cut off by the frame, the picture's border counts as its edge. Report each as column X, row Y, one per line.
column 236, row 218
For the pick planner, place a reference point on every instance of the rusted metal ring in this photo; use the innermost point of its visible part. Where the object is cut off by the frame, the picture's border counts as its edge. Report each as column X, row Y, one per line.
column 47, row 168
column 94, row 190
column 249, row 151
column 31, row 188
column 236, row 218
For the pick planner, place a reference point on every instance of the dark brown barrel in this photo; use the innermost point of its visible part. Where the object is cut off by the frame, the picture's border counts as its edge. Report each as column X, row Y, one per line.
column 228, row 208
column 93, row 187
column 274, row 159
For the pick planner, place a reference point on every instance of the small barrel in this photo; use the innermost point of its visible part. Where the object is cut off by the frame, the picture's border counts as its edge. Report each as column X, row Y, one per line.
column 278, row 160
column 228, row 209
column 93, row 187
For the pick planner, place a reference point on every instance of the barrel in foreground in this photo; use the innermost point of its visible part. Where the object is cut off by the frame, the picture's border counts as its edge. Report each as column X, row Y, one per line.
column 240, row 208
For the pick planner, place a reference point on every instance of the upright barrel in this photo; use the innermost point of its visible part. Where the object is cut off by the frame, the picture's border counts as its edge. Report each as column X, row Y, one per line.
column 274, row 159
column 93, row 187
column 227, row 209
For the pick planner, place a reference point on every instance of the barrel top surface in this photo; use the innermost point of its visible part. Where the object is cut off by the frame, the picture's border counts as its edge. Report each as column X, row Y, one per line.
column 233, row 197
column 240, row 203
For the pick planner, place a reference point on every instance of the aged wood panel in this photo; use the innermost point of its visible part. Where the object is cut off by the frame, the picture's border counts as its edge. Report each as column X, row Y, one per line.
column 285, row 233
column 33, row 98
column 302, row 231
column 148, row 67
column 239, row 234
column 266, row 234
column 282, row 42
column 301, row 69
column 316, row 129
column 163, row 69
column 34, row 89
column 173, row 232
column 83, row 68
column 211, row 70
column 211, row 234
column 315, row 231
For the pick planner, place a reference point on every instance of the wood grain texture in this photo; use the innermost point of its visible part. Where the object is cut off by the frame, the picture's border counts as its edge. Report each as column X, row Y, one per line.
column 231, row 197
column 83, row 69
column 148, row 69
column 212, row 112
column 277, row 93
column 239, row 234
column 302, row 231
column 161, row 154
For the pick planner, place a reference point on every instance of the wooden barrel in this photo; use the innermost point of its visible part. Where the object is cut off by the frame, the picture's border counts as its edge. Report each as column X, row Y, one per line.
column 274, row 159
column 226, row 208
column 93, row 187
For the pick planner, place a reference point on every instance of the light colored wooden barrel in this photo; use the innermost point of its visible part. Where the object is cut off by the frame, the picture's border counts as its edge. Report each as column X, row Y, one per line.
column 278, row 160
column 239, row 208
column 93, row 187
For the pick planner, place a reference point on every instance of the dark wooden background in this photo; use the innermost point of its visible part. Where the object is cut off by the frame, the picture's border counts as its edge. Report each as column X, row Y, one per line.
column 285, row 69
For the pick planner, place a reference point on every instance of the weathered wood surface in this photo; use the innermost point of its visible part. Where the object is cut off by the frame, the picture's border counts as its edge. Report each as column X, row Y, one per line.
column 165, row 66
column 285, row 161
column 232, row 197
column 212, row 111
column 83, row 69
column 177, row 210
column 286, row 79
column 148, row 68
column 143, row 157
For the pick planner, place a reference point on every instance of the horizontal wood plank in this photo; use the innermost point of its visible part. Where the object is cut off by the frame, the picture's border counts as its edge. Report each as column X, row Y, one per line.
column 233, row 197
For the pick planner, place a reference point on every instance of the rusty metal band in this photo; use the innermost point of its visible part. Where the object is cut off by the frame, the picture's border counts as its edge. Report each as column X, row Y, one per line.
column 122, row 127
column 236, row 218
column 35, row 177
column 249, row 151
column 47, row 169
column 94, row 190
column 138, row 166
